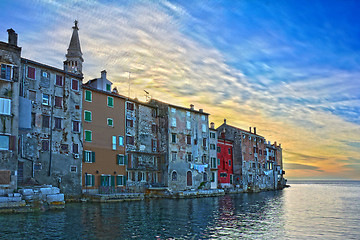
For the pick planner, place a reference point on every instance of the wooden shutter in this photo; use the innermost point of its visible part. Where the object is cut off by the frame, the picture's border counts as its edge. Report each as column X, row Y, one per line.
column 92, row 180
column 15, row 74
column 93, row 157
column 112, row 181
column 84, row 156
column 12, row 143
column 126, row 160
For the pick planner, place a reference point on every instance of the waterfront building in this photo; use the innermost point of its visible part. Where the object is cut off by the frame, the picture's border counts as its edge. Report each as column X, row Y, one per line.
column 274, row 165
column 249, row 158
column 213, row 156
column 142, row 145
column 185, row 146
column 225, row 162
column 50, row 121
column 10, row 61
column 104, row 157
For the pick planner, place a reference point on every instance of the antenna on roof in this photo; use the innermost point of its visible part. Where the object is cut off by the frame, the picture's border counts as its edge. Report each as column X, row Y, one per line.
column 147, row 95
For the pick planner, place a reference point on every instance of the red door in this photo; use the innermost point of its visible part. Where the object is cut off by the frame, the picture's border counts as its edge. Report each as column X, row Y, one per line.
column 189, row 178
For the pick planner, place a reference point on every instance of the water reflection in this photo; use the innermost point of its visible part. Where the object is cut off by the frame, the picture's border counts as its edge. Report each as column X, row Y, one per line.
column 305, row 211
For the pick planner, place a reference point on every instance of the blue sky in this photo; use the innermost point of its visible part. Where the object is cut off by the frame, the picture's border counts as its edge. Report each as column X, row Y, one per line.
column 290, row 68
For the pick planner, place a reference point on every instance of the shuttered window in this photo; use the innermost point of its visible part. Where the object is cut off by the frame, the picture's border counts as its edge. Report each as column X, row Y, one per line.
column 121, row 159
column 31, row 72
column 110, row 101
column 88, row 96
column 5, row 106
column 88, row 156
column 120, row 180
column 89, row 180
column 87, row 116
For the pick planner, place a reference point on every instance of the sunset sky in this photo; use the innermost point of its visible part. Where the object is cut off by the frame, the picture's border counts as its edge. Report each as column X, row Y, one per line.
column 289, row 68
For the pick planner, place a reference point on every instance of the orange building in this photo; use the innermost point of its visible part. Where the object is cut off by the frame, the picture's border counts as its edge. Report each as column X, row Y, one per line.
column 104, row 159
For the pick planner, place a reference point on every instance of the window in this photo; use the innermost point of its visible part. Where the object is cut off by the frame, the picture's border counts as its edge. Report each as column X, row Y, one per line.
column 87, row 116
column 173, row 156
column 212, row 177
column 110, row 101
column 58, row 101
column 188, row 139
column 153, row 128
column 203, row 128
column 130, row 106
column 244, row 136
column 33, row 119
column 174, row 176
column 154, row 145
column 189, row 157
column 218, row 161
column 204, row 142
column 203, row 117
column 223, row 175
column 173, row 110
column 64, row 147
column 46, row 99
column 213, row 162
column 120, row 180
column 229, row 151
column 188, row 125
column 5, row 106
column 88, row 96
column 229, row 162
column 120, row 158
column 113, row 142
column 153, row 113
column 218, row 149
column 4, row 142
column 173, row 137
column 189, row 178
column 32, row 95
column 89, row 156
column 88, row 136
column 45, row 74
column 130, row 140
column 31, row 72
column 212, row 146
column 129, row 123
column 121, row 141
column 108, row 87
column 110, row 122
column 57, row 123
column 173, row 122
column 89, row 180
column 74, row 84
column 5, row 71
column 75, row 148
column 212, row 135
column 59, row 80
column 45, row 145
column 188, row 114
column 76, row 126
column 37, row 166
column 204, row 158
column 205, row 177
column 45, row 121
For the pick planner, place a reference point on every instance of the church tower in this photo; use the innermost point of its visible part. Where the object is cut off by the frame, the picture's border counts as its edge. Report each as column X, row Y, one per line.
column 74, row 59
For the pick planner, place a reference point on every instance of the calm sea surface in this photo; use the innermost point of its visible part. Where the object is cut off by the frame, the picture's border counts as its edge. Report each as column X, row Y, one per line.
column 307, row 210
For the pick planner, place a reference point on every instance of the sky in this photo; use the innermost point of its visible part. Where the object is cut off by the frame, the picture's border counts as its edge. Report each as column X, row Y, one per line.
column 289, row 68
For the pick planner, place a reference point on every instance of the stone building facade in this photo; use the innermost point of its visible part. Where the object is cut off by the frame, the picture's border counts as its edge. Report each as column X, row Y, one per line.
column 10, row 61
column 142, row 146
column 104, row 158
column 50, row 131
column 213, row 139
column 185, row 144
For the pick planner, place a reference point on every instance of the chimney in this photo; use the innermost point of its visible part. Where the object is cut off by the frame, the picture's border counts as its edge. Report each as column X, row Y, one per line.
column 254, row 130
column 12, row 37
column 250, row 129
column 201, row 110
column 212, row 125
column 103, row 74
column 192, row 106
column 224, row 120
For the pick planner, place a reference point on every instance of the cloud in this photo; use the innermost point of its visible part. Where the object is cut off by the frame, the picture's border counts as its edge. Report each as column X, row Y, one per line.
column 169, row 51
column 298, row 166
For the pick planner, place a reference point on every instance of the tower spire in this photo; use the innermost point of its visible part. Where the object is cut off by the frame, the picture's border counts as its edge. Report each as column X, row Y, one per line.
column 74, row 59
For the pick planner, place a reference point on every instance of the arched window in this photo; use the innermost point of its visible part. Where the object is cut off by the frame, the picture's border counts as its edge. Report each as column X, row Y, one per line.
column 189, row 178
column 174, row 176
column 205, row 177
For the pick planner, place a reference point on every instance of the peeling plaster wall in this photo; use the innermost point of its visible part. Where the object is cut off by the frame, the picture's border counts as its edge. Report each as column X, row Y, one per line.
column 144, row 156
column 65, row 170
column 181, row 165
column 9, row 89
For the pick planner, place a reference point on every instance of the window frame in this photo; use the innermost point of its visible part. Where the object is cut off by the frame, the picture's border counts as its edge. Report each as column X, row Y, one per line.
column 87, row 112
column 112, row 102
column 88, row 93
column 77, row 85
column 89, row 132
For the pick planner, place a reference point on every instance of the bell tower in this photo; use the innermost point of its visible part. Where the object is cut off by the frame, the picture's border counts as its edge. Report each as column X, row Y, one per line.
column 74, row 59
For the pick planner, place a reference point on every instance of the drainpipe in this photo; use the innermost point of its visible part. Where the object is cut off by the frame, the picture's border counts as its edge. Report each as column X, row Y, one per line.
column 51, row 130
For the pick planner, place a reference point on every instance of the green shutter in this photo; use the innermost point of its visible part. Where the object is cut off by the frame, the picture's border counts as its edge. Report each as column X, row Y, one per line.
column 102, row 180
column 92, row 180
column 118, row 159
column 93, row 157
column 86, row 179
column 126, row 160
column 124, row 180
column 84, row 155
column 88, row 96
column 112, row 181
column 110, row 101
column 87, row 116
column 118, row 180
